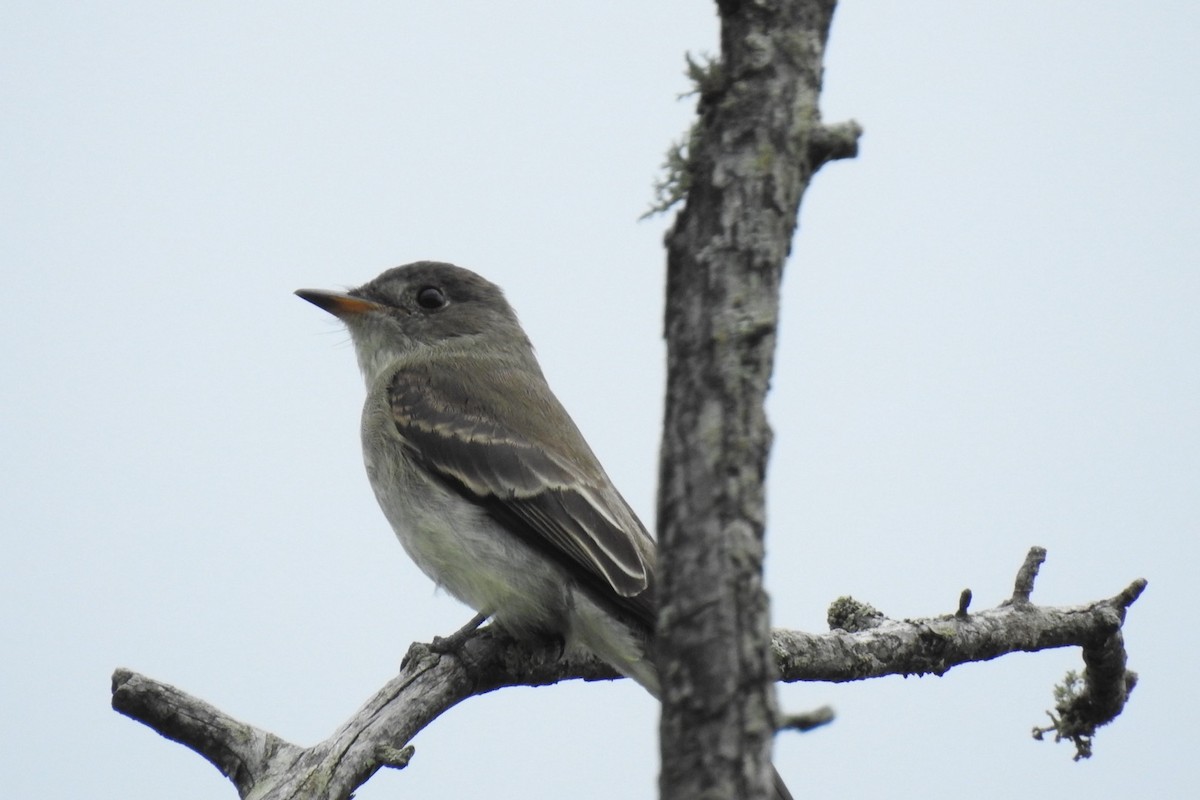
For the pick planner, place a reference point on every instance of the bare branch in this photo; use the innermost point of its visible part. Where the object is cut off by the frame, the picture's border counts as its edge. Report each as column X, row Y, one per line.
column 864, row 644
column 434, row 678
column 933, row 645
column 833, row 142
column 807, row 721
column 265, row 766
column 1023, row 586
column 964, row 602
column 1085, row 704
column 241, row 752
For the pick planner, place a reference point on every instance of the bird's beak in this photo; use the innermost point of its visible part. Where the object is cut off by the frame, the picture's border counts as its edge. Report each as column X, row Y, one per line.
column 339, row 304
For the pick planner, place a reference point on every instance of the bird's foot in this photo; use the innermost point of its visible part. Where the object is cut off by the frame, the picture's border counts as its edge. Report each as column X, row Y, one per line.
column 546, row 648
column 449, row 644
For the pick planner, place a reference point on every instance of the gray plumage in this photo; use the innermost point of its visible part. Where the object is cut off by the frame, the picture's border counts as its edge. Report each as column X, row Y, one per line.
column 483, row 475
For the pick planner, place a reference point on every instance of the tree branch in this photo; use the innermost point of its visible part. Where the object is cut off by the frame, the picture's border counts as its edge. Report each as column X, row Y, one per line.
column 241, row 752
column 933, row 645
column 266, row 767
column 434, row 678
column 865, row 644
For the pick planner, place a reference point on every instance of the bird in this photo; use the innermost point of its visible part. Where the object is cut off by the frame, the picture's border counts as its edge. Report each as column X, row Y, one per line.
column 484, row 477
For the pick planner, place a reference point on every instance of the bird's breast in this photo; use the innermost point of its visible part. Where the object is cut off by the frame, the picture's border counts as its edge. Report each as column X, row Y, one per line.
column 456, row 543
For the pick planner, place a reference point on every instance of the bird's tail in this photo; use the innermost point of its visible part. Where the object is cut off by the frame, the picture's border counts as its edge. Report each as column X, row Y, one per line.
column 643, row 673
column 626, row 650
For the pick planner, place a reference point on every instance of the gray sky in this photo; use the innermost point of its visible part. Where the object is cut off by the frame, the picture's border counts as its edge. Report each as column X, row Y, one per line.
column 989, row 341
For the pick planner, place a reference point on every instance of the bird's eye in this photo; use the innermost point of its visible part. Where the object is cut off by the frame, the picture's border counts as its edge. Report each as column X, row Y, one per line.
column 431, row 298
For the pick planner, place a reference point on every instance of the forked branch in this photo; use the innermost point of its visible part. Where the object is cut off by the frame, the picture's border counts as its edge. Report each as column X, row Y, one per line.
column 433, row 679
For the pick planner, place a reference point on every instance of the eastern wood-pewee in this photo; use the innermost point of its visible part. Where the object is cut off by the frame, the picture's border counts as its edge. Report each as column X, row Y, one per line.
column 487, row 482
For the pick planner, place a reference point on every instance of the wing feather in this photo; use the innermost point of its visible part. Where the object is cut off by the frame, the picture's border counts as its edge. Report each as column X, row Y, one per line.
column 537, row 476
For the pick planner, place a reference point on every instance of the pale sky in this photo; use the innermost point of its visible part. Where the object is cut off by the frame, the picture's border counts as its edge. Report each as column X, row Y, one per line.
column 989, row 341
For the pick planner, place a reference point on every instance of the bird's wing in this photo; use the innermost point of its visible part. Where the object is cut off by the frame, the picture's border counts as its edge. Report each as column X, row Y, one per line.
column 537, row 476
